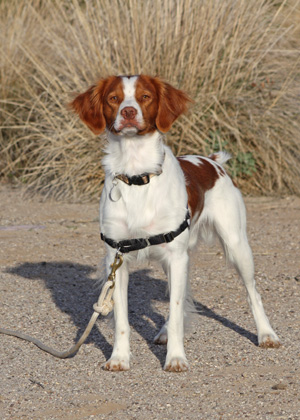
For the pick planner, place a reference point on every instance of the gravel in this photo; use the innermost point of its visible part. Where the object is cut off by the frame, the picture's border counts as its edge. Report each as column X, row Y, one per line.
column 50, row 253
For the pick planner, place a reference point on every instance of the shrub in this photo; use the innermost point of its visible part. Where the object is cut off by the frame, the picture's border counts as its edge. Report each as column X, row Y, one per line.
column 237, row 59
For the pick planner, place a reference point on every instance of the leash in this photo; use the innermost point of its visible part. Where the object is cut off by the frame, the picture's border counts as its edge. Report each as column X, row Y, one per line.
column 103, row 306
column 105, row 303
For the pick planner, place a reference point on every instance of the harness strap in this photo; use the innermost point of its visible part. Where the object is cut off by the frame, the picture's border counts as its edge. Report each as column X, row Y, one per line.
column 129, row 245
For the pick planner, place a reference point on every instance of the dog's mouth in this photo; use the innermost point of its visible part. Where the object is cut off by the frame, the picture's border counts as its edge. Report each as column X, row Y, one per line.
column 128, row 127
column 129, row 123
column 129, row 130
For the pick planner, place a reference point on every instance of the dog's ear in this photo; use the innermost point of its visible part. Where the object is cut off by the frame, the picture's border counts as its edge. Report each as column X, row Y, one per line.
column 89, row 106
column 171, row 104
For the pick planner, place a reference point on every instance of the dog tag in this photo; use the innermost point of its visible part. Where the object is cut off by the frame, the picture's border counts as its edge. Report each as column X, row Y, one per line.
column 115, row 193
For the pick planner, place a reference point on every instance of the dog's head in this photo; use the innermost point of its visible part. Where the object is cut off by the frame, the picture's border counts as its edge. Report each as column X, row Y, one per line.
column 130, row 105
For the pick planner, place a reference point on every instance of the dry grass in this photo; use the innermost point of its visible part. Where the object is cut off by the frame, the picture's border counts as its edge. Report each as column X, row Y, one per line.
column 238, row 60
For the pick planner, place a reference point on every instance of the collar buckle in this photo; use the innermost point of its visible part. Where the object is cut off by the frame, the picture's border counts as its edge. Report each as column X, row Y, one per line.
column 142, row 179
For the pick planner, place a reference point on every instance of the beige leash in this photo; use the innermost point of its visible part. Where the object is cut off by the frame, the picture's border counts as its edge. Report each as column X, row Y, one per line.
column 103, row 306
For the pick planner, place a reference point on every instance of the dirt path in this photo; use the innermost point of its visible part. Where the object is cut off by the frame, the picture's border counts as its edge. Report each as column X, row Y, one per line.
column 49, row 255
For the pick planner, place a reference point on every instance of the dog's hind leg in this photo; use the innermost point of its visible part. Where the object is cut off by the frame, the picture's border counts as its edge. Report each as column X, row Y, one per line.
column 162, row 336
column 229, row 220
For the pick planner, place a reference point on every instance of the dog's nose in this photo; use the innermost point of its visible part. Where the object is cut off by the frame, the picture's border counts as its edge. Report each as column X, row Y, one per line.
column 128, row 113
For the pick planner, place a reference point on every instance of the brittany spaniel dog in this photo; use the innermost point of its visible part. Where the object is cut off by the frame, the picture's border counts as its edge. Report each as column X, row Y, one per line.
column 155, row 205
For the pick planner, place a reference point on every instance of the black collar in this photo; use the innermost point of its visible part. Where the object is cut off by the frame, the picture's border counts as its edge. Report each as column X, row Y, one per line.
column 129, row 245
column 142, row 179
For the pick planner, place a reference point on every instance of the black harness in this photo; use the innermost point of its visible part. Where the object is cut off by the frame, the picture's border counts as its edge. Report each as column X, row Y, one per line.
column 129, row 245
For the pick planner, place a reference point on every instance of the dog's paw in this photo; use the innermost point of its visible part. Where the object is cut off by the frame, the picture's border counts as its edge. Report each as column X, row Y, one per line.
column 269, row 341
column 161, row 338
column 176, row 364
column 117, row 364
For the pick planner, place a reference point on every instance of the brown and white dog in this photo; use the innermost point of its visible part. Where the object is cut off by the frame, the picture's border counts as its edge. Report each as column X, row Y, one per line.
column 146, row 195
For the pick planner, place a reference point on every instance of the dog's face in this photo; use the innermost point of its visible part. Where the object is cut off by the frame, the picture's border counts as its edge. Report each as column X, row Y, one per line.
column 130, row 105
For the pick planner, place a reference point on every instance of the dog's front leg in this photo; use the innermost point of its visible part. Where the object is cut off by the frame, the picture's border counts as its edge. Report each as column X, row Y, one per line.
column 119, row 359
column 177, row 276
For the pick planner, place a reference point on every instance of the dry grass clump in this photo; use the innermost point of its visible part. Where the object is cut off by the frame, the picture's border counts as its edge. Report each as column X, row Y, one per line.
column 237, row 59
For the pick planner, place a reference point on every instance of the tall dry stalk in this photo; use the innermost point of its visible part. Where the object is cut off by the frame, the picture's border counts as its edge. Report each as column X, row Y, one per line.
column 237, row 59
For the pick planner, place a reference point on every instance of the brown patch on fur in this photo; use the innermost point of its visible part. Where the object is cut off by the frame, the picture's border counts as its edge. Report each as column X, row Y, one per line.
column 199, row 179
column 270, row 344
column 112, row 98
column 92, row 106
column 114, row 368
column 172, row 103
column 214, row 157
column 160, row 102
column 177, row 367
column 147, row 97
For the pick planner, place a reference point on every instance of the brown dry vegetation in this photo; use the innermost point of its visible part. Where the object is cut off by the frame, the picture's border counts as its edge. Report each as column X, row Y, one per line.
column 238, row 60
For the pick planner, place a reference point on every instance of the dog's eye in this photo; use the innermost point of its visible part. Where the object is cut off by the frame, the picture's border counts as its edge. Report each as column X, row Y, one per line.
column 145, row 97
column 113, row 98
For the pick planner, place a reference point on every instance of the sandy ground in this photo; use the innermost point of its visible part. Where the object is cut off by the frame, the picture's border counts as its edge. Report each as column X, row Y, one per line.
column 49, row 256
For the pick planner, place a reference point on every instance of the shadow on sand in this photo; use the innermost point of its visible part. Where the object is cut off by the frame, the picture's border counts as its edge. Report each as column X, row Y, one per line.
column 74, row 292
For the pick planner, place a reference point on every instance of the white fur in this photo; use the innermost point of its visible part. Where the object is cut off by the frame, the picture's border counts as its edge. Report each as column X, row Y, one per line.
column 195, row 160
column 160, row 207
column 222, row 157
column 129, row 101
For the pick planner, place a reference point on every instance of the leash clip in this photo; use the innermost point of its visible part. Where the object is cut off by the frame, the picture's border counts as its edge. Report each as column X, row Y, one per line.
column 114, row 266
column 105, row 302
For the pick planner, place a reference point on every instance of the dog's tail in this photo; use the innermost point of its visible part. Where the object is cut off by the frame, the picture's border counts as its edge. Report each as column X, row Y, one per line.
column 220, row 157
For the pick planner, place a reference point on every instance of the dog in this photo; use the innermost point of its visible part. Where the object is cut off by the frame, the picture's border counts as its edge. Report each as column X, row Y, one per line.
column 156, row 206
